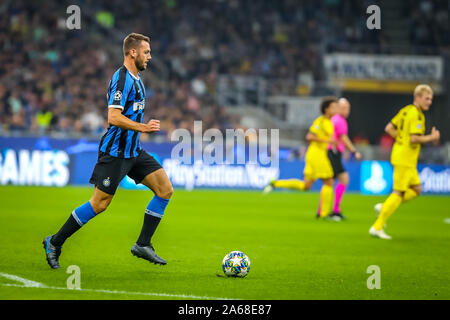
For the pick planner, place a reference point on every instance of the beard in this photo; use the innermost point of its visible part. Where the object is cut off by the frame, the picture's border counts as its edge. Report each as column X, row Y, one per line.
column 140, row 65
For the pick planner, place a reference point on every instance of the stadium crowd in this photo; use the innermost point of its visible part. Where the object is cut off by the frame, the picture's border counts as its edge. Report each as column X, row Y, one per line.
column 55, row 79
column 429, row 25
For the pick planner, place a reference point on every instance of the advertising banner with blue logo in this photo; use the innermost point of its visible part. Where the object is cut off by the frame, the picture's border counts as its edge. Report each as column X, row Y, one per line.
column 434, row 178
column 377, row 178
column 60, row 162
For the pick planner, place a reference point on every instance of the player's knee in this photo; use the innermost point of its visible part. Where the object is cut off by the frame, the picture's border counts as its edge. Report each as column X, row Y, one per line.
column 165, row 192
column 418, row 190
column 100, row 205
column 399, row 193
column 169, row 192
column 344, row 179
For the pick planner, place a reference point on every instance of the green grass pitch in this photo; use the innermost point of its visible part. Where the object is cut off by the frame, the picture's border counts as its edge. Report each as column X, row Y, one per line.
column 293, row 256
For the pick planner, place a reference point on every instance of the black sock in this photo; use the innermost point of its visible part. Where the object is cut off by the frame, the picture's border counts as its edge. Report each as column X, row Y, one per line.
column 149, row 227
column 69, row 228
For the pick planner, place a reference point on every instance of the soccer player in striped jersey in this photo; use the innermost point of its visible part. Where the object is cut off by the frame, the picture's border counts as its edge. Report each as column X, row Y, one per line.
column 317, row 164
column 120, row 154
column 408, row 130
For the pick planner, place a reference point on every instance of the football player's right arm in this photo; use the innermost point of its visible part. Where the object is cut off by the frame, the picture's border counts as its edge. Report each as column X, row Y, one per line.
column 314, row 131
column 116, row 118
column 312, row 137
column 391, row 127
column 391, row 130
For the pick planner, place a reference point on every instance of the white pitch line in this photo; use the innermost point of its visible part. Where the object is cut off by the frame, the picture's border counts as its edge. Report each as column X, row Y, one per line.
column 32, row 284
column 25, row 282
column 184, row 296
column 447, row 220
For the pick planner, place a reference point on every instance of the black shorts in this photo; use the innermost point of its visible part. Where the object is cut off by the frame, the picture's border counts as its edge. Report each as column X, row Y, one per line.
column 336, row 162
column 109, row 171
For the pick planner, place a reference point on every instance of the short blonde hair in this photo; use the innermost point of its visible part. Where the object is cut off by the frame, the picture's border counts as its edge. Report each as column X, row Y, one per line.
column 421, row 88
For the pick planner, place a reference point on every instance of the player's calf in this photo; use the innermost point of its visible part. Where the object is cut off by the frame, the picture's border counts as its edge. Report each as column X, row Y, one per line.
column 52, row 244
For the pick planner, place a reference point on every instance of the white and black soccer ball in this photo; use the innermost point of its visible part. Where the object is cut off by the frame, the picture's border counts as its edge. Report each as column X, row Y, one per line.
column 236, row 264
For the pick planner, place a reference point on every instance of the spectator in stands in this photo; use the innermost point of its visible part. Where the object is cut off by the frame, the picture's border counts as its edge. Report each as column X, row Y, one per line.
column 195, row 41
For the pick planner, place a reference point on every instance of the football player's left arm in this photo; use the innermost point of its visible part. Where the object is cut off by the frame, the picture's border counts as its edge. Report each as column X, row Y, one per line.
column 433, row 136
column 116, row 118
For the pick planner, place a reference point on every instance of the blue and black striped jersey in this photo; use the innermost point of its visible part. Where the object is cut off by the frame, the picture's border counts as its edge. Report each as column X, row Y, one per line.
column 125, row 92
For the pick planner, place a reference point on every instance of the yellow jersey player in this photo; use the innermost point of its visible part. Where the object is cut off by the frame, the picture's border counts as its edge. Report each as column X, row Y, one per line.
column 408, row 130
column 317, row 163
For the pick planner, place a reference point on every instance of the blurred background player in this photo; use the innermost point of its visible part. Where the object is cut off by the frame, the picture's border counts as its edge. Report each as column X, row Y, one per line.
column 408, row 129
column 340, row 125
column 120, row 154
column 317, row 164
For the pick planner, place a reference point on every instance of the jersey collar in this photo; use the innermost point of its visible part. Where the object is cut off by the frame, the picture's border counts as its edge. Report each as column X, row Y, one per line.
column 134, row 77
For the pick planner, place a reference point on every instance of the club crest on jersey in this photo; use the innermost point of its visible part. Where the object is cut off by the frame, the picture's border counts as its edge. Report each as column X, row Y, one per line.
column 107, row 182
column 118, row 95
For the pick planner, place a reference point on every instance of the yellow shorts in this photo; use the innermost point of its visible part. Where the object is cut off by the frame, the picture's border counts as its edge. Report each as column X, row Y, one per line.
column 318, row 167
column 405, row 177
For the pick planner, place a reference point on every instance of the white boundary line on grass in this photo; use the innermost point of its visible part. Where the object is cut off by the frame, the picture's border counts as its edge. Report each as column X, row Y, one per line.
column 25, row 282
column 32, row 284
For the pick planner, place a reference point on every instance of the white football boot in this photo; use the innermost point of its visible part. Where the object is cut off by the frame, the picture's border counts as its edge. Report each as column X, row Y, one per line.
column 269, row 188
column 379, row 233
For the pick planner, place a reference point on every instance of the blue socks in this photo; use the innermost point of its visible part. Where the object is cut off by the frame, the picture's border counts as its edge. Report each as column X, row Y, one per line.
column 77, row 219
column 152, row 217
column 83, row 213
column 157, row 206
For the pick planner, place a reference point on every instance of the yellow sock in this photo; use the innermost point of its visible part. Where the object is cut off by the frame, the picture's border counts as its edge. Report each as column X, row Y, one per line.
column 326, row 193
column 290, row 184
column 389, row 206
column 409, row 195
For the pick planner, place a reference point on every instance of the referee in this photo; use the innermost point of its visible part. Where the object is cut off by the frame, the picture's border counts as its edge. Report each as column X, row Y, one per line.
column 120, row 154
column 340, row 125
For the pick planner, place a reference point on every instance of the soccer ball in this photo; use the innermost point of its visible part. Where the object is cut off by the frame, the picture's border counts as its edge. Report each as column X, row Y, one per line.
column 236, row 264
